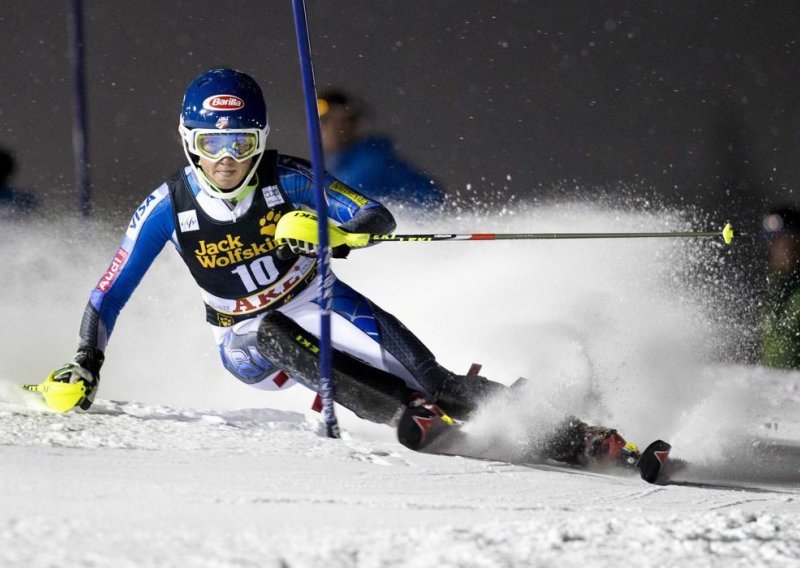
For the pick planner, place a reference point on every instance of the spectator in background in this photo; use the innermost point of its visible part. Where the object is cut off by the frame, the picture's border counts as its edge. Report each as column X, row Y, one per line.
column 10, row 197
column 780, row 325
column 368, row 164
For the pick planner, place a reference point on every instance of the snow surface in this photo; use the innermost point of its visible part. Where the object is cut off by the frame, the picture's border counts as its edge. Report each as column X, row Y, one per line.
column 178, row 464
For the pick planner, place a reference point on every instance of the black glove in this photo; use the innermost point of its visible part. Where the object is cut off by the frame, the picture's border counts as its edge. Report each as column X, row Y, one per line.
column 294, row 248
column 341, row 251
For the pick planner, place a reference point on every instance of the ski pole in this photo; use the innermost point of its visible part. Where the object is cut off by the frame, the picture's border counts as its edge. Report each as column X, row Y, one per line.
column 726, row 233
column 327, row 386
column 302, row 226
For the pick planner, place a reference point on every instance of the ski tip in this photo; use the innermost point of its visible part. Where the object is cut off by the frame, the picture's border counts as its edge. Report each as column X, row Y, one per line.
column 653, row 460
column 421, row 423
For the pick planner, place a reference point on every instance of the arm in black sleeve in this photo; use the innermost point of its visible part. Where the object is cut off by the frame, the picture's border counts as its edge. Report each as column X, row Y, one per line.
column 374, row 220
column 90, row 354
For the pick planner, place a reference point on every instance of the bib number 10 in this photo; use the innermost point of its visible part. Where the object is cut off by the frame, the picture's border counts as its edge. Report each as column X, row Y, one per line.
column 259, row 273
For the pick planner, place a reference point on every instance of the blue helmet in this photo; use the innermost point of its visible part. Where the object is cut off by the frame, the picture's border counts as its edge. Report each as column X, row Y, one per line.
column 224, row 99
column 223, row 113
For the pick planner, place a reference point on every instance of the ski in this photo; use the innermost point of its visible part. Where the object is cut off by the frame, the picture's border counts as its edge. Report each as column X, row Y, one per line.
column 423, row 427
column 652, row 461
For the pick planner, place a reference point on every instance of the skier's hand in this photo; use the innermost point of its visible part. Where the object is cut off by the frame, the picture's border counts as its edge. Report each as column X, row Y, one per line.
column 84, row 367
column 72, row 374
column 301, row 248
column 297, row 233
column 293, row 247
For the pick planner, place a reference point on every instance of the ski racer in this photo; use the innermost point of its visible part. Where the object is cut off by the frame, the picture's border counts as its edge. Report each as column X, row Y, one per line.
column 220, row 212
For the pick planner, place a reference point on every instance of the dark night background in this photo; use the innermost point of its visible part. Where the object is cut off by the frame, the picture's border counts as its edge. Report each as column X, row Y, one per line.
column 693, row 101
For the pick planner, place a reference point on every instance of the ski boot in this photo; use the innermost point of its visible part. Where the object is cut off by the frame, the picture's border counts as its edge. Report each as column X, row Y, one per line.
column 421, row 423
column 575, row 442
column 605, row 447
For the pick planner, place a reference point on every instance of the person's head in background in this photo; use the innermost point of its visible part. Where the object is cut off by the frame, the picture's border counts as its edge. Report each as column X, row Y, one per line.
column 7, row 167
column 782, row 228
column 340, row 119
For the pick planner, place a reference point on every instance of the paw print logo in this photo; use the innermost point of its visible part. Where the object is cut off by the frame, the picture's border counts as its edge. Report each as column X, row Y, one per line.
column 268, row 223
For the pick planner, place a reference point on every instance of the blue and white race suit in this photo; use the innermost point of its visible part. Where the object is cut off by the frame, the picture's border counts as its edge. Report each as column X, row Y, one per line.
column 230, row 252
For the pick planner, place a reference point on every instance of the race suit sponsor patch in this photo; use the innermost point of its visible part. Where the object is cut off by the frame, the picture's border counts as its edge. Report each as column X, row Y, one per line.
column 187, row 221
column 303, row 271
column 342, row 189
column 113, row 270
column 230, row 250
column 272, row 195
column 144, row 210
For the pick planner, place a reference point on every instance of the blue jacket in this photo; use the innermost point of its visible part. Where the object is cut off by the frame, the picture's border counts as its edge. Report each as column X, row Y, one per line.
column 371, row 166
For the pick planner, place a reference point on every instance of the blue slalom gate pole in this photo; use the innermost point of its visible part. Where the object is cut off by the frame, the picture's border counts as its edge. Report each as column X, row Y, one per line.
column 80, row 139
column 326, row 382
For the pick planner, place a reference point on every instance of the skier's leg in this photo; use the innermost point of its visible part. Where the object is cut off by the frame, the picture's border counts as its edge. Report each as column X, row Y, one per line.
column 371, row 393
column 394, row 348
column 458, row 395
column 238, row 349
column 380, row 398
column 354, row 330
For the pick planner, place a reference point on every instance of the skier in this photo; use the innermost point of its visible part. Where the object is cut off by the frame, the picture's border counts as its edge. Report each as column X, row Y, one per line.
column 220, row 212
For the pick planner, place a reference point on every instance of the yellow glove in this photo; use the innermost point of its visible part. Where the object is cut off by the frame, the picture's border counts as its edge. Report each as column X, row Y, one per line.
column 297, row 231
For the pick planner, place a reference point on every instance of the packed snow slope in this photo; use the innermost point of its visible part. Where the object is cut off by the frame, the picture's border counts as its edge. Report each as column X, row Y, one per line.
column 179, row 464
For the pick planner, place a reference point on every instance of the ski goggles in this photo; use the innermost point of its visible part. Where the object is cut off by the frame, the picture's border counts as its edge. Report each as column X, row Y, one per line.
column 215, row 145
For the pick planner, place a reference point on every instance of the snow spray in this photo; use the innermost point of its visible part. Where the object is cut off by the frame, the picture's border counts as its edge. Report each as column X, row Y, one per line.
column 624, row 333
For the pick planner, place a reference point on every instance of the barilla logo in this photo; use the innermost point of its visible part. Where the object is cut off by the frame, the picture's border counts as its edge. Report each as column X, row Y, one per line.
column 223, row 102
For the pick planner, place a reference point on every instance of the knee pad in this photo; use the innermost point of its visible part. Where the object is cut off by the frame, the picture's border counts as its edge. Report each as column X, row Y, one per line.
column 241, row 358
